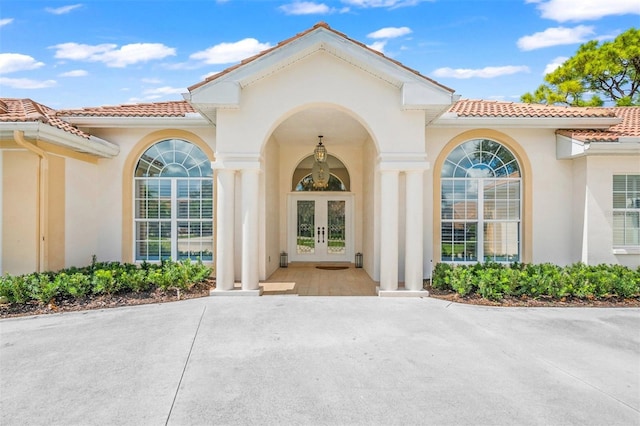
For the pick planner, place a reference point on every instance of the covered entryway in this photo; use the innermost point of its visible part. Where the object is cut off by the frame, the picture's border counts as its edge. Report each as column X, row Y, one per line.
column 269, row 111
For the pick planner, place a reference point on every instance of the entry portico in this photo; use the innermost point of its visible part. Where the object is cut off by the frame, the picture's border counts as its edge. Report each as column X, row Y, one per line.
column 372, row 112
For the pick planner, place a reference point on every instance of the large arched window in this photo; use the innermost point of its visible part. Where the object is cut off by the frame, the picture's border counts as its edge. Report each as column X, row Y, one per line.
column 481, row 204
column 173, row 192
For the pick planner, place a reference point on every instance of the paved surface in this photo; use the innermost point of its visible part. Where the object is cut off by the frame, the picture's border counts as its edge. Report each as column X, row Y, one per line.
column 306, row 280
column 322, row 360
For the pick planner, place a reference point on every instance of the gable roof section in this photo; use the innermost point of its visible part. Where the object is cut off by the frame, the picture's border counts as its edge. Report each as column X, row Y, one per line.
column 40, row 122
column 224, row 90
column 26, row 110
column 299, row 36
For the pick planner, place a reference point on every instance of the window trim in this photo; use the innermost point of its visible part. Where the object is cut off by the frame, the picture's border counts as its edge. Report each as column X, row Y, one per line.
column 526, row 217
column 622, row 248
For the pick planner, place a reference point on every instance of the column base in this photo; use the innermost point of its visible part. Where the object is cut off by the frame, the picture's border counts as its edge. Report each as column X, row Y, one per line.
column 236, row 292
column 401, row 292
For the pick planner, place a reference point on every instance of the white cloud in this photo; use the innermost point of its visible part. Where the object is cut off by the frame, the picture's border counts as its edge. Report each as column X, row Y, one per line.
column 305, row 8
column 390, row 32
column 63, row 10
column 554, row 64
column 110, row 55
column 555, row 36
column 5, row 21
column 74, row 73
column 26, row 83
column 12, row 62
column 391, row 4
column 487, row 72
column 226, row 53
column 378, row 45
column 584, row 10
column 166, row 90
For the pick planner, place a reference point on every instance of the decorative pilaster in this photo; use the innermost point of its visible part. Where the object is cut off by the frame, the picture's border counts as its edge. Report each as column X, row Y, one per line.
column 413, row 272
column 389, row 230
column 250, row 235
column 225, row 198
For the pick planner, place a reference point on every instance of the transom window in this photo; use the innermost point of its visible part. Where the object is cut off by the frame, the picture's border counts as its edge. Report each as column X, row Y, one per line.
column 481, row 204
column 173, row 203
column 626, row 210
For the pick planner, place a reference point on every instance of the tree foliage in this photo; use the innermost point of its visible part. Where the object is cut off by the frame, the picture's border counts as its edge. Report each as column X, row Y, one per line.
column 597, row 73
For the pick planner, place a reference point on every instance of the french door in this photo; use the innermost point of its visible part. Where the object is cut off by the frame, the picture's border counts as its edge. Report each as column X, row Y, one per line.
column 320, row 228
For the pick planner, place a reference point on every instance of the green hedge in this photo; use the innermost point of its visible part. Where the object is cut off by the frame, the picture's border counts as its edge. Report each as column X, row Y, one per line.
column 495, row 281
column 101, row 278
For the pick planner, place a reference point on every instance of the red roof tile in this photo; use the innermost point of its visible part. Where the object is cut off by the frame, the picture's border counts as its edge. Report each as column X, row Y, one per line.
column 152, row 109
column 629, row 127
column 481, row 108
column 26, row 110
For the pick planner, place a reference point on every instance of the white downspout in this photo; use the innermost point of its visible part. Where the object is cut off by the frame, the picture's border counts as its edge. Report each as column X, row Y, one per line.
column 42, row 258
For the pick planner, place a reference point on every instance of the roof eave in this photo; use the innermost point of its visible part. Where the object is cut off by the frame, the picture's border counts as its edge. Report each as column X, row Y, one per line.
column 41, row 131
column 568, row 148
column 453, row 120
column 192, row 121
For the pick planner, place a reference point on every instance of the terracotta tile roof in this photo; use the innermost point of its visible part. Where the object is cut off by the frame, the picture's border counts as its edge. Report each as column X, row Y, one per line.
column 302, row 34
column 26, row 110
column 481, row 108
column 629, row 127
column 152, row 109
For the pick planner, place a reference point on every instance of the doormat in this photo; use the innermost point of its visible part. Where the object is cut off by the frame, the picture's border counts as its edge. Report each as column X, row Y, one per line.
column 332, row 268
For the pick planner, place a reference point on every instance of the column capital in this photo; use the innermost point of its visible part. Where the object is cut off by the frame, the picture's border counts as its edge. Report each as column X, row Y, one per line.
column 237, row 161
column 404, row 161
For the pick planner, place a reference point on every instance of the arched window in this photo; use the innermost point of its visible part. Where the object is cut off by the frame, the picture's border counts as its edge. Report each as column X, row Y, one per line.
column 173, row 191
column 339, row 179
column 481, row 204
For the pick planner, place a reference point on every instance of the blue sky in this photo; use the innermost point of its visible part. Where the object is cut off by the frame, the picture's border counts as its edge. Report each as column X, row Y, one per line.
column 105, row 52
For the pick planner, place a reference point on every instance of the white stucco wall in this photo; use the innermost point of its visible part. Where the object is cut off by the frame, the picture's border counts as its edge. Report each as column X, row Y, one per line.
column 82, row 217
column 267, row 103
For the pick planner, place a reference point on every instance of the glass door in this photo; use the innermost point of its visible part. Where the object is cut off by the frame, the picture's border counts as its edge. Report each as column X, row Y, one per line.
column 321, row 228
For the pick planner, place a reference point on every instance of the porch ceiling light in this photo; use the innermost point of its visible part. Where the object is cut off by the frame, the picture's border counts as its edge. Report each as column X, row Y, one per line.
column 320, row 153
column 320, row 172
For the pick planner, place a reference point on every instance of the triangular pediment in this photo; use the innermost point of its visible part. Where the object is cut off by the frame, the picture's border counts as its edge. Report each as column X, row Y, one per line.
column 224, row 89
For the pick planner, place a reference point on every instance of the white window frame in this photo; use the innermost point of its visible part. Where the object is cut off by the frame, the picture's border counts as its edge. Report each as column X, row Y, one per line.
column 624, row 248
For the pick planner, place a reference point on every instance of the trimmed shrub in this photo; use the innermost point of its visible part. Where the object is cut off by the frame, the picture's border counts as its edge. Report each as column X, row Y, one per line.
column 494, row 281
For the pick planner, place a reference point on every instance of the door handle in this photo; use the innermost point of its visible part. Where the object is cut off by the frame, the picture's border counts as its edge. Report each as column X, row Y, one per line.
column 318, row 234
column 323, row 234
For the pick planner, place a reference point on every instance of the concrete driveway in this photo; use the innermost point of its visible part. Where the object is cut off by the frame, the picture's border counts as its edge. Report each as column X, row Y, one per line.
column 290, row 360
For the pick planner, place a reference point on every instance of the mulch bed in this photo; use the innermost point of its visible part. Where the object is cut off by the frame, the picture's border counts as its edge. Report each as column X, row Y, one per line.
column 202, row 290
column 543, row 301
column 106, row 301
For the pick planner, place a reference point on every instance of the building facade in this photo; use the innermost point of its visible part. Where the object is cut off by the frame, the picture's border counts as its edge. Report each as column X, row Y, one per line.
column 416, row 176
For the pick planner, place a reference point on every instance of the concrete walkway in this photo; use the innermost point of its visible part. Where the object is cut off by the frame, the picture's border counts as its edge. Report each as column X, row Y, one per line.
column 286, row 360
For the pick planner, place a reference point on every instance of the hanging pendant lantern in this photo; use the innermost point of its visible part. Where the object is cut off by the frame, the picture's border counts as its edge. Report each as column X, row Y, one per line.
column 320, row 153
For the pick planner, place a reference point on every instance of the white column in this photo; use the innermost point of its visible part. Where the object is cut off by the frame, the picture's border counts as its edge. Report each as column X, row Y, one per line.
column 389, row 230
column 414, row 230
column 224, row 227
column 250, row 236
